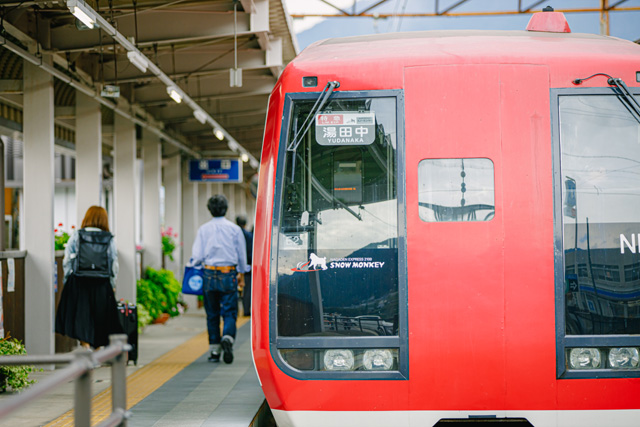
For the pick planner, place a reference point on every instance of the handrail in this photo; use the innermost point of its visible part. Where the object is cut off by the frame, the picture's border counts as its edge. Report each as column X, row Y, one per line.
column 12, row 254
column 80, row 366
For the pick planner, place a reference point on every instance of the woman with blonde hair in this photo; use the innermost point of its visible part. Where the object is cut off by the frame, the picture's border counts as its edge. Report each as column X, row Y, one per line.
column 88, row 310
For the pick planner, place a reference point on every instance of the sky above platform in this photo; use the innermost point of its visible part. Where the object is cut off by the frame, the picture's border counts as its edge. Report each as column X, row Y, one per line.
column 623, row 24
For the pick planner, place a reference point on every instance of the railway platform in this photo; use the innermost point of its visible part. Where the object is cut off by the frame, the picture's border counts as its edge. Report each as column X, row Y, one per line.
column 172, row 384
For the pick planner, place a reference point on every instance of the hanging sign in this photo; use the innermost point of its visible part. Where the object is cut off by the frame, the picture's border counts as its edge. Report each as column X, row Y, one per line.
column 215, row 170
column 345, row 128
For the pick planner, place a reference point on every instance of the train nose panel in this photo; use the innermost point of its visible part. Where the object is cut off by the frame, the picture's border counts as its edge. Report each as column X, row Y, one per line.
column 467, row 253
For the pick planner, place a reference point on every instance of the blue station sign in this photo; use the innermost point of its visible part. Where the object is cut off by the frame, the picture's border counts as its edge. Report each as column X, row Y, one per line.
column 215, row 170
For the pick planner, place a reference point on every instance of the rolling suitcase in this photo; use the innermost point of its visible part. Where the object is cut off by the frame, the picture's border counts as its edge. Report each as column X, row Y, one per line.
column 128, row 313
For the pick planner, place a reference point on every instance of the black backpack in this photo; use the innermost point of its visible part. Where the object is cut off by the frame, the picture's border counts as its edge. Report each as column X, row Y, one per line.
column 92, row 259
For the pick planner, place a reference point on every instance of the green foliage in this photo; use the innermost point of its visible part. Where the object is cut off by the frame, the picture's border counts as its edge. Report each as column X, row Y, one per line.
column 158, row 292
column 168, row 244
column 61, row 237
column 14, row 377
column 144, row 318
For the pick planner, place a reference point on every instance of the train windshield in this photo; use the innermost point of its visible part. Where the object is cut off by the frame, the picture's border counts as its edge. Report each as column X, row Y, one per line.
column 337, row 237
column 600, row 167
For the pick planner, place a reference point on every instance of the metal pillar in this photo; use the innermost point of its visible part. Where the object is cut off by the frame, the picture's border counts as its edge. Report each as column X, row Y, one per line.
column 173, row 209
column 39, row 181
column 152, row 158
column 604, row 17
column 125, row 198
column 88, row 154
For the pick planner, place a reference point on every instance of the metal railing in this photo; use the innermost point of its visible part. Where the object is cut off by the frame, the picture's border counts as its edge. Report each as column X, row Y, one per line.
column 80, row 367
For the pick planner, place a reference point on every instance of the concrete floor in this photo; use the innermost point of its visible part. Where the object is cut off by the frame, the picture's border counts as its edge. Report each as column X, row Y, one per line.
column 194, row 397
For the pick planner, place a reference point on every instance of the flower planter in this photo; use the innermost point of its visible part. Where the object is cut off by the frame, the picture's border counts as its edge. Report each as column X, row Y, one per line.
column 162, row 318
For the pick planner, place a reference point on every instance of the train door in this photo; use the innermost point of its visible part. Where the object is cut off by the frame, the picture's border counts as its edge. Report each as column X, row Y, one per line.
column 478, row 208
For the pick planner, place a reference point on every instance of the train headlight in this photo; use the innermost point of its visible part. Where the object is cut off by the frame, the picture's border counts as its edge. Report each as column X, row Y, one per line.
column 584, row 358
column 624, row 358
column 377, row 360
column 338, row 360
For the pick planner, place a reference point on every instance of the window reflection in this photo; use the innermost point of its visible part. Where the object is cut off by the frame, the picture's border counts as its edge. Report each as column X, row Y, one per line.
column 337, row 266
column 456, row 190
column 600, row 166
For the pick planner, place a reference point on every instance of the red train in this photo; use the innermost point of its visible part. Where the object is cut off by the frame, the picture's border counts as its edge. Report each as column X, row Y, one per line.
column 448, row 230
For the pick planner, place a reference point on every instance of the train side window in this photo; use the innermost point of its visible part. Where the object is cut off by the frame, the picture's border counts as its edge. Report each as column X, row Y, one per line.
column 456, row 190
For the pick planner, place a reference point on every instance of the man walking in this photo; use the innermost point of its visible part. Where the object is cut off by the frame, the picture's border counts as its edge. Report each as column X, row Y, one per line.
column 220, row 247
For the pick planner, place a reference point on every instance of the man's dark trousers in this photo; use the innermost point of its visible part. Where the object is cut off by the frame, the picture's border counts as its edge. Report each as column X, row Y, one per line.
column 220, row 294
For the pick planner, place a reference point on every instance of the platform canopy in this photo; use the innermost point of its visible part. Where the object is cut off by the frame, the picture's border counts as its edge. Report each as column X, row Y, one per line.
column 222, row 57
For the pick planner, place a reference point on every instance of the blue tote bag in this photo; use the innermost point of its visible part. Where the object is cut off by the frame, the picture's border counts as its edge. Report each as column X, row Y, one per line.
column 192, row 281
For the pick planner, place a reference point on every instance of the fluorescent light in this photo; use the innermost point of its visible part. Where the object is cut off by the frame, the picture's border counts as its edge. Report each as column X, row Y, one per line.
column 254, row 163
column 200, row 116
column 233, row 146
column 218, row 133
column 138, row 60
column 174, row 94
column 82, row 12
column 244, row 157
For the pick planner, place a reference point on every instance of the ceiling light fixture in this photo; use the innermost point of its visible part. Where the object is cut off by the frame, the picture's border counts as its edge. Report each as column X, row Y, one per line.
column 174, row 94
column 200, row 116
column 138, row 60
column 244, row 157
column 233, row 146
column 80, row 10
column 218, row 133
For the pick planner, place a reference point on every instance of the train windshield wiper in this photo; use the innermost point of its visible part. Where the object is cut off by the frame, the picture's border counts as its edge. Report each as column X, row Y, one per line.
column 320, row 102
column 623, row 92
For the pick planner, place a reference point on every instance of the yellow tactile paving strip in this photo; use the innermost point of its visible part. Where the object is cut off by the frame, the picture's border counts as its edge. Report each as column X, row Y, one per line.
column 145, row 380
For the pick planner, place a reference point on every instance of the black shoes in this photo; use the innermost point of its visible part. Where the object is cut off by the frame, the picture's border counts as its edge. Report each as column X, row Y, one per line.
column 214, row 357
column 227, row 348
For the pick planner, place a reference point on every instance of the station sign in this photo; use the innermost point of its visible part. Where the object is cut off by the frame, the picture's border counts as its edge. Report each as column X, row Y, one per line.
column 215, row 170
column 345, row 128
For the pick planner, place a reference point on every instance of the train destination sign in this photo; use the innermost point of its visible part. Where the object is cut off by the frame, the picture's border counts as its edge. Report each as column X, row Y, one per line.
column 215, row 170
column 345, row 128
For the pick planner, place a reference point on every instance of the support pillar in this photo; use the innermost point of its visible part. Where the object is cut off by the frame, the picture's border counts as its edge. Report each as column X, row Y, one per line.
column 204, row 193
column 243, row 203
column 88, row 154
column 152, row 159
column 38, row 135
column 124, row 187
column 173, row 210
column 231, row 198
column 190, row 222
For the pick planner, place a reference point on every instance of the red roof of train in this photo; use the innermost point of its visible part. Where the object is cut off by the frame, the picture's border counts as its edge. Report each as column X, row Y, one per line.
column 379, row 59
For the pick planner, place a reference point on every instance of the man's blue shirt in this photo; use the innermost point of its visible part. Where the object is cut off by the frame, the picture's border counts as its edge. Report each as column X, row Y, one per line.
column 220, row 242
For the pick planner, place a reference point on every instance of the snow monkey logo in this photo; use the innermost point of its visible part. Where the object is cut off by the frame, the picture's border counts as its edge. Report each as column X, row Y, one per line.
column 315, row 263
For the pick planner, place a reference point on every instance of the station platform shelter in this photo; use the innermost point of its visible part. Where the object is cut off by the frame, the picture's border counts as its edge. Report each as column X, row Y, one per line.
column 147, row 108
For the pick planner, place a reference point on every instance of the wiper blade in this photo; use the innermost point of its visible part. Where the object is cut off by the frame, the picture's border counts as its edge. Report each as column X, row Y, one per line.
column 320, row 102
column 629, row 100
column 623, row 92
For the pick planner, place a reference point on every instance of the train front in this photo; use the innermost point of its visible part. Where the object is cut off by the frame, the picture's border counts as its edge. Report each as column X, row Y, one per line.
column 447, row 228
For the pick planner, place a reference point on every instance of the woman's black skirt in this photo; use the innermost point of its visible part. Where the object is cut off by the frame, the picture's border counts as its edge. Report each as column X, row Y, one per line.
column 88, row 310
